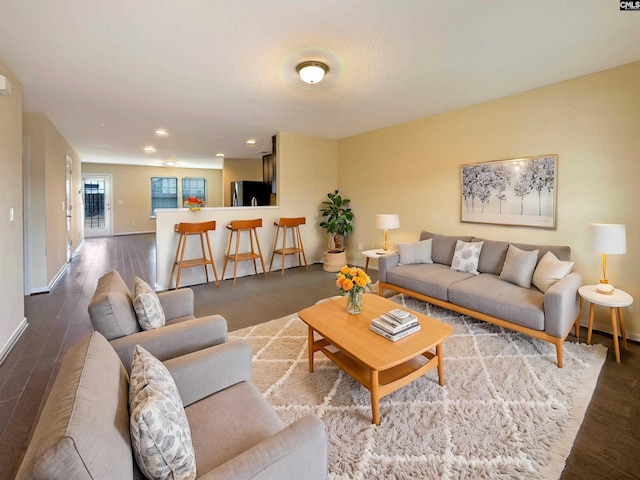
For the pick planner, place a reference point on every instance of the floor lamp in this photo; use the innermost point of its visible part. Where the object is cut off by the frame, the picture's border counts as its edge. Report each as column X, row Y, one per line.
column 607, row 238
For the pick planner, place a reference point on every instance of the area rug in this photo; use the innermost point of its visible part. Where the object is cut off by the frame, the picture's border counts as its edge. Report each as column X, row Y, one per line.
column 506, row 410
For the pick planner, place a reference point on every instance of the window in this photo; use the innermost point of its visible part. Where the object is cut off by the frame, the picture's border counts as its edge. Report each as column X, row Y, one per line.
column 194, row 187
column 164, row 193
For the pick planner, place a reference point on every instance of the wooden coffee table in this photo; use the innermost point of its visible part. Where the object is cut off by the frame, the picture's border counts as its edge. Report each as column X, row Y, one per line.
column 378, row 364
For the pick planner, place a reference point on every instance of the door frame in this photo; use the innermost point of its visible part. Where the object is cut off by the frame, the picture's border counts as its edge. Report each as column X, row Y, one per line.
column 108, row 201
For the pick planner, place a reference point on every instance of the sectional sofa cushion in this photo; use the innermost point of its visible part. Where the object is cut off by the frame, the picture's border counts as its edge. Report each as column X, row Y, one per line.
column 492, row 255
column 147, row 306
column 83, row 431
column 160, row 432
column 549, row 271
column 415, row 252
column 488, row 294
column 443, row 246
column 111, row 308
column 433, row 280
column 519, row 266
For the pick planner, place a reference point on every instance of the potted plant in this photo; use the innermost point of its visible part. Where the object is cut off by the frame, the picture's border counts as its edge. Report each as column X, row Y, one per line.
column 337, row 218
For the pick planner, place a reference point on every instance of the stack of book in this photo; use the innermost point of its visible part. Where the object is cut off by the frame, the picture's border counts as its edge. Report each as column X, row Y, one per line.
column 395, row 324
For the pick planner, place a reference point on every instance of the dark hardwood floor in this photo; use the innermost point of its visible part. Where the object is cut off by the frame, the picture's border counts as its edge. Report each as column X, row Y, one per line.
column 606, row 446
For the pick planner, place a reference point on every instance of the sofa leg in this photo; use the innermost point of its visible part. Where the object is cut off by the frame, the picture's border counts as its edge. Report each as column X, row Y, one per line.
column 559, row 353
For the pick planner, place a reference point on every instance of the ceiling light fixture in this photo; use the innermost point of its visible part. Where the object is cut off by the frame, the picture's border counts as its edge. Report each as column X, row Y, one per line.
column 170, row 163
column 161, row 132
column 312, row 72
column 251, row 142
column 219, row 154
column 149, row 149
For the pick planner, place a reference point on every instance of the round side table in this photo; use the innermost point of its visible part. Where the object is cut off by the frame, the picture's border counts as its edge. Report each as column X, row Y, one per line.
column 377, row 253
column 615, row 302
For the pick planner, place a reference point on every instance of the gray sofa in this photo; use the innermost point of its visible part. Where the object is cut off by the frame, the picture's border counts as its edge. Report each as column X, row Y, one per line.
column 548, row 316
column 83, row 430
column 112, row 314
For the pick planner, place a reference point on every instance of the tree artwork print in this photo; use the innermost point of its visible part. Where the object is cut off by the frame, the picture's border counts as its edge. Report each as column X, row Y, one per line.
column 520, row 191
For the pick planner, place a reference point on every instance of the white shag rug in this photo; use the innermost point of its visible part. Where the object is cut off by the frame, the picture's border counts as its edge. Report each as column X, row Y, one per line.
column 506, row 410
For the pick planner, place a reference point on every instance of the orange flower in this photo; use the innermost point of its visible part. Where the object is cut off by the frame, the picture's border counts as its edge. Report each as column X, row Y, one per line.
column 347, row 284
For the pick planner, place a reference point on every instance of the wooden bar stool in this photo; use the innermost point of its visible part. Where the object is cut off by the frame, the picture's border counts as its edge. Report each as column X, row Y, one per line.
column 237, row 227
column 293, row 224
column 186, row 229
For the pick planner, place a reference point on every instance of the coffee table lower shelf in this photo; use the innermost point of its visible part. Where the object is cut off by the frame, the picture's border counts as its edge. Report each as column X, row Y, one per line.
column 378, row 382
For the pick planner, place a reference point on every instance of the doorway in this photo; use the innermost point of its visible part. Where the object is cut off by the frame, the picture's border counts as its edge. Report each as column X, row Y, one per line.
column 96, row 191
column 67, row 187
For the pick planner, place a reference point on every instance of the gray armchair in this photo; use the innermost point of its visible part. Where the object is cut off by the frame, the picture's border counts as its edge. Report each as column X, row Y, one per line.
column 83, row 431
column 111, row 313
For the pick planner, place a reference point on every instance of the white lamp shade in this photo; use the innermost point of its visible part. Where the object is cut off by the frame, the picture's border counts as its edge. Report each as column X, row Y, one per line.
column 610, row 238
column 387, row 221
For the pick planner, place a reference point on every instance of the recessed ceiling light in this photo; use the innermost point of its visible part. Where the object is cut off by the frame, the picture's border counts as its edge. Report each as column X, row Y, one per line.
column 149, row 149
column 251, row 142
column 219, row 154
column 161, row 132
column 170, row 163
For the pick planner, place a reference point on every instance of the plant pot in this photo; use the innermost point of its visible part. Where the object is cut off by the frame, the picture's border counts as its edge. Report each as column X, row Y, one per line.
column 334, row 260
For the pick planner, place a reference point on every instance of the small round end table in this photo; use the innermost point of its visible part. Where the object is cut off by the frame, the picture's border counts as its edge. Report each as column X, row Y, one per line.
column 377, row 253
column 615, row 301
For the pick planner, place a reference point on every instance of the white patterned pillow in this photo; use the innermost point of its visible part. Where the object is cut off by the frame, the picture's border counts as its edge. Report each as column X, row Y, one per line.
column 466, row 257
column 519, row 266
column 549, row 271
column 415, row 252
column 147, row 306
column 160, row 433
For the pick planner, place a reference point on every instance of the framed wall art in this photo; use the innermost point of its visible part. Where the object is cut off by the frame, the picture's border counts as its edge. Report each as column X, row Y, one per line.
column 520, row 191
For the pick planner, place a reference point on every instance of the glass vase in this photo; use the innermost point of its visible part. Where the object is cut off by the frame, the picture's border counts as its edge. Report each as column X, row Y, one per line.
column 354, row 302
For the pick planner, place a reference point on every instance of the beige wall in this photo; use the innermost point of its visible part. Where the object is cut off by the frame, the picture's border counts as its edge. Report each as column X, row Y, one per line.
column 238, row 169
column 46, row 229
column 131, row 192
column 591, row 122
column 12, row 319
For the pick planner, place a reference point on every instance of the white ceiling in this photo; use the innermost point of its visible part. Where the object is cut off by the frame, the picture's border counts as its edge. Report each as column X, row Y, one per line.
column 216, row 73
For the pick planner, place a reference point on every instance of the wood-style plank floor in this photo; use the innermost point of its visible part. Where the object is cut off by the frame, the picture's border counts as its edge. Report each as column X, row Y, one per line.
column 606, row 446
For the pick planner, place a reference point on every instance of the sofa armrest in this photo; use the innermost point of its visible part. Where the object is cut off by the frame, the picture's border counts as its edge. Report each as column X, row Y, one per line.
column 386, row 262
column 298, row 451
column 561, row 305
column 203, row 373
column 177, row 303
column 173, row 340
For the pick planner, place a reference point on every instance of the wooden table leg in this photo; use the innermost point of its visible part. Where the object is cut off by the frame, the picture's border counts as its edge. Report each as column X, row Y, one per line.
column 592, row 308
column 614, row 329
column 622, row 331
column 440, row 364
column 375, row 397
column 577, row 324
column 310, row 347
column 366, row 265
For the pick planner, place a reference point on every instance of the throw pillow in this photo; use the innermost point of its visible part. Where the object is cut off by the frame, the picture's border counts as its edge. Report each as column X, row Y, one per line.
column 519, row 266
column 466, row 257
column 549, row 271
column 147, row 306
column 415, row 252
column 160, row 433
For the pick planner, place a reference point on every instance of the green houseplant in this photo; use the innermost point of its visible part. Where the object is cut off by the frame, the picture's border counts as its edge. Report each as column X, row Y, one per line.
column 337, row 217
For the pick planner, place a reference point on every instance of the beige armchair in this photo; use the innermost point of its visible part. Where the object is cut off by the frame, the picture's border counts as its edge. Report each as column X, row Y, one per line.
column 83, row 431
column 112, row 314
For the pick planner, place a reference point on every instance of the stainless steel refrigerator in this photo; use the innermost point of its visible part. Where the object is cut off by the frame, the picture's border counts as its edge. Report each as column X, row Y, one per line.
column 247, row 193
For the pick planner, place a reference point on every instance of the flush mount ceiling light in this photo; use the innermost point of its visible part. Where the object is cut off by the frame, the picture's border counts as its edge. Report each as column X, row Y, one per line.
column 170, row 163
column 251, row 142
column 312, row 72
column 149, row 149
column 219, row 154
column 161, row 132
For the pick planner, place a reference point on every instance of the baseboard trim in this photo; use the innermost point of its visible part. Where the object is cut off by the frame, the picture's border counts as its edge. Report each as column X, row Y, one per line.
column 606, row 328
column 133, row 233
column 13, row 339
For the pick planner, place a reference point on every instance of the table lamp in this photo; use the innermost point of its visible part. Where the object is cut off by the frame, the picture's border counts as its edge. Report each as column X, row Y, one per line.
column 387, row 222
column 607, row 238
